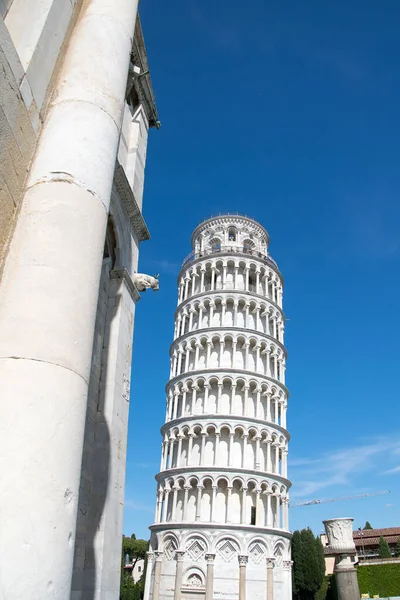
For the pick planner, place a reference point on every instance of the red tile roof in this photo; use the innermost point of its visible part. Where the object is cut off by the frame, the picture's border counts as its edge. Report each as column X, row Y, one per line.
column 370, row 537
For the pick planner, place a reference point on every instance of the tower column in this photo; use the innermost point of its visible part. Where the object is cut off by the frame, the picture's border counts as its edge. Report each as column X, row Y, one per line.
column 242, row 576
column 270, row 578
column 149, row 573
column 210, row 576
column 178, row 574
column 157, row 574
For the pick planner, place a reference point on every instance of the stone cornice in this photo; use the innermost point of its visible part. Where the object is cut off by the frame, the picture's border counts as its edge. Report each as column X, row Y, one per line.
column 240, row 255
column 128, row 200
column 222, row 372
column 224, row 293
column 213, row 418
column 143, row 84
column 161, row 475
column 218, row 527
column 122, row 274
column 226, row 330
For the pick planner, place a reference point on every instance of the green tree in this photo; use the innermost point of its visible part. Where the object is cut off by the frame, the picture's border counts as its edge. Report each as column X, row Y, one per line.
column 308, row 564
column 397, row 549
column 297, row 571
column 384, row 550
column 367, row 525
column 134, row 550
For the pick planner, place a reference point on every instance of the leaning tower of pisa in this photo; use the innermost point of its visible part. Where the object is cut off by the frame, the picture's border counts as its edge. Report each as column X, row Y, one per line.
column 221, row 522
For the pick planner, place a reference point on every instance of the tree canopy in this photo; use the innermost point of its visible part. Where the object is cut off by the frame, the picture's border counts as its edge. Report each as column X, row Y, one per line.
column 384, row 550
column 308, row 564
column 367, row 525
column 135, row 550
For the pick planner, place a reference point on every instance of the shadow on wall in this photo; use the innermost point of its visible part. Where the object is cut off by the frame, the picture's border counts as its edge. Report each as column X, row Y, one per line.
column 96, row 459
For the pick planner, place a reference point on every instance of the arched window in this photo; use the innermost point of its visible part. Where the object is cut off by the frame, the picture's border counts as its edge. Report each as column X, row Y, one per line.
column 215, row 244
column 248, row 246
column 232, row 234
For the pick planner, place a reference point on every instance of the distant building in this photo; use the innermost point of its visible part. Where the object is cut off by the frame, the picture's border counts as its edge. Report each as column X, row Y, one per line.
column 367, row 541
column 136, row 568
column 367, row 545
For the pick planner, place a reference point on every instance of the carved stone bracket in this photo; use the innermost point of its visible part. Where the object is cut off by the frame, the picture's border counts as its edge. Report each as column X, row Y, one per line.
column 122, row 273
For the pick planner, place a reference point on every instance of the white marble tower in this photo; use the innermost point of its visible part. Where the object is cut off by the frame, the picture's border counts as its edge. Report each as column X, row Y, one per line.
column 221, row 523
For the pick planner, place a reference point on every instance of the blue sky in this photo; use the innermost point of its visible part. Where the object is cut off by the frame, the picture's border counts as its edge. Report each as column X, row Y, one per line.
column 287, row 111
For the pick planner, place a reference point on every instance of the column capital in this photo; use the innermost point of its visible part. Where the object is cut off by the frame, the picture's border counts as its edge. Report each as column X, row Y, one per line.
column 270, row 563
column 287, row 565
column 159, row 554
column 179, row 555
column 209, row 558
column 150, row 555
column 243, row 560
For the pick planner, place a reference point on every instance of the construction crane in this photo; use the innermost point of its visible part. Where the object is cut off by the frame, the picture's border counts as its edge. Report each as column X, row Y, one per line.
column 314, row 502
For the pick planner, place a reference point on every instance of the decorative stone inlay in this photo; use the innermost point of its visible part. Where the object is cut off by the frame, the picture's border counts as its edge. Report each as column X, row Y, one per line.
column 196, row 548
column 226, row 549
column 257, row 552
column 169, row 549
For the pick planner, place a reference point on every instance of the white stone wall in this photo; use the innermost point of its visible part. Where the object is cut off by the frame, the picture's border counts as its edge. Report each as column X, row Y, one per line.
column 221, row 522
column 61, row 375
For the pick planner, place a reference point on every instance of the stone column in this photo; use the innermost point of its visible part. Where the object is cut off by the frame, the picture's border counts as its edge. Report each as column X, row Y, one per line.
column 157, row 574
column 213, row 502
column 185, row 502
column 269, row 510
column 206, row 392
column 234, row 345
column 190, row 448
column 244, row 506
column 270, row 578
column 178, row 574
column 165, row 506
column 228, row 505
column 149, row 572
column 233, row 393
column 195, row 389
column 245, row 438
column 242, row 576
column 203, row 445
column 202, row 280
column 230, row 450
column 210, row 576
column 48, row 303
column 198, row 502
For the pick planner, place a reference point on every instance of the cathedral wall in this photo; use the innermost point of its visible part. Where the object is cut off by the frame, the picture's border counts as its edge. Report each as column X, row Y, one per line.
column 32, row 36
